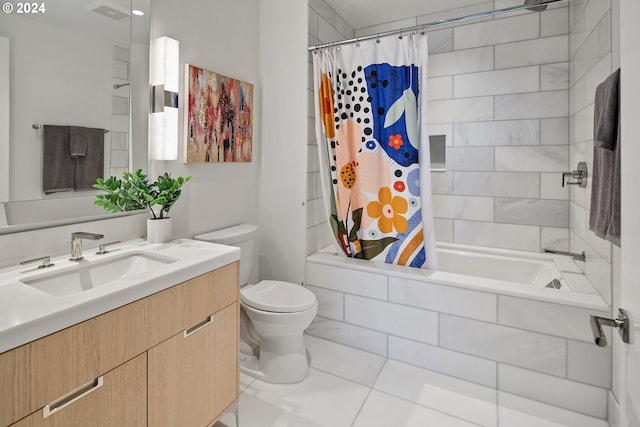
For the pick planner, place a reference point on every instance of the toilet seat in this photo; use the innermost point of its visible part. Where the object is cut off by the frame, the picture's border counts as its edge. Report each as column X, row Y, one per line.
column 278, row 297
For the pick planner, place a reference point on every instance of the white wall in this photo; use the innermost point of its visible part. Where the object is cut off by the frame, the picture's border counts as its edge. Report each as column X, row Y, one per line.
column 4, row 119
column 283, row 79
column 220, row 36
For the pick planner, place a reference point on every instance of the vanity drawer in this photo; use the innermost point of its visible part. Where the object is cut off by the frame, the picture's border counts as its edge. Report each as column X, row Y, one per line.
column 117, row 398
column 37, row 373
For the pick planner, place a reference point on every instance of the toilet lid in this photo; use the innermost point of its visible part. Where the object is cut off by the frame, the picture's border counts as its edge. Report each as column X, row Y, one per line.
column 279, row 297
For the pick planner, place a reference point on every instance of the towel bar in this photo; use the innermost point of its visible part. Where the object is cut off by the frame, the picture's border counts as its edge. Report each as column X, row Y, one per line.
column 37, row 126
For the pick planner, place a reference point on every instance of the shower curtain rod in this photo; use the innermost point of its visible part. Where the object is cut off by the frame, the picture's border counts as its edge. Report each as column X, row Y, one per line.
column 433, row 24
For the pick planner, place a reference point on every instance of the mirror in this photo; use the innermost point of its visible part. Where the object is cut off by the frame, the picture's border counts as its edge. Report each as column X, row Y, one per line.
column 70, row 63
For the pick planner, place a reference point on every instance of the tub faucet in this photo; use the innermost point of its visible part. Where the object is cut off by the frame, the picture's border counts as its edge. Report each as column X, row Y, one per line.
column 76, row 243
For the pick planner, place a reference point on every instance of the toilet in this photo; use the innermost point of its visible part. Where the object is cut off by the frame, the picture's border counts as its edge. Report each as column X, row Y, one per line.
column 274, row 315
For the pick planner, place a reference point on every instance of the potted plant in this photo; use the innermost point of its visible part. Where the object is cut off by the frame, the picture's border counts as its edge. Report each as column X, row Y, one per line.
column 134, row 191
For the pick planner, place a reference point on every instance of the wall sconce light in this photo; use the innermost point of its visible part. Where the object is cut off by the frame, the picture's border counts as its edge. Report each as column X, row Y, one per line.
column 165, row 69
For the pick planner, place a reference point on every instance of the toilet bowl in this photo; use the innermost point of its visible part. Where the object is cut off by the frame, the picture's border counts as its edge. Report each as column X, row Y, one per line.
column 274, row 316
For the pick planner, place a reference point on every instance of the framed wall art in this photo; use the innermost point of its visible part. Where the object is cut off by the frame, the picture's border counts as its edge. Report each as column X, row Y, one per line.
column 218, row 118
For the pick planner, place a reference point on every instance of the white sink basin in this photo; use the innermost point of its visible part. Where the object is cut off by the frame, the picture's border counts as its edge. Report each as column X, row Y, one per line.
column 94, row 274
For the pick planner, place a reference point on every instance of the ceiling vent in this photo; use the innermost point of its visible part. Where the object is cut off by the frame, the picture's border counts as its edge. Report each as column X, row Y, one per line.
column 109, row 9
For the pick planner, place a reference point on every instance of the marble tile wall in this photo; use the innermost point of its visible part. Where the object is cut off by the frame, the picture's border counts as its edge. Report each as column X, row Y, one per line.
column 592, row 60
column 510, row 343
column 498, row 89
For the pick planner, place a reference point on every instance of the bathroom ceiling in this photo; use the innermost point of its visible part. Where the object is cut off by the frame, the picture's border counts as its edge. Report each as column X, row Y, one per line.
column 364, row 13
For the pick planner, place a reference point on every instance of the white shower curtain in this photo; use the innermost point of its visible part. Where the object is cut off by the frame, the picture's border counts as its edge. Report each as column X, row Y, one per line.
column 371, row 129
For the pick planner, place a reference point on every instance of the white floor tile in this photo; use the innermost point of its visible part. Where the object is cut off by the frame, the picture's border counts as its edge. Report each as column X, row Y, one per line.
column 517, row 411
column 321, row 400
column 346, row 362
column 245, row 381
column 452, row 396
column 402, row 396
column 382, row 410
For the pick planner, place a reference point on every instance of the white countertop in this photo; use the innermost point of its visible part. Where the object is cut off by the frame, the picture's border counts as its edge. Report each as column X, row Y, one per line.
column 27, row 313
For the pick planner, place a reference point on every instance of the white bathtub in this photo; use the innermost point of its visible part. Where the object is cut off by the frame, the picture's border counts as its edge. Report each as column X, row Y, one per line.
column 500, row 271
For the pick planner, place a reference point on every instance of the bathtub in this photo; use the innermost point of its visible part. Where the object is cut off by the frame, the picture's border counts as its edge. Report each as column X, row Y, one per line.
column 486, row 316
column 506, row 272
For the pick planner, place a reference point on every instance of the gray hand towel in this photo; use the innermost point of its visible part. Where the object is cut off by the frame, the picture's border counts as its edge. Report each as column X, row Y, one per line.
column 57, row 164
column 604, row 218
column 90, row 167
column 78, row 141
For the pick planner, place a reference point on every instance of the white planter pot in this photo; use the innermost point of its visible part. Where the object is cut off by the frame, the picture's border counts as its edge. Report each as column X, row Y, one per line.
column 159, row 230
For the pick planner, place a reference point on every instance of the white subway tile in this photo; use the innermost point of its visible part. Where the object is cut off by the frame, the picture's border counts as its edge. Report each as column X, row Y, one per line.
column 323, row 9
column 446, row 394
column 313, row 23
column 400, row 320
column 458, row 62
column 327, row 33
column 463, row 207
column 499, row 82
column 347, row 280
column 560, row 392
column 554, row 131
column 526, row 349
column 461, row 110
column 595, row 11
column 551, row 187
column 554, row 22
column 312, row 246
column 387, row 26
column 459, row 365
column 440, row 88
column 508, row 236
column 351, row 335
column 554, row 76
column 547, row 318
column 454, row 13
column 330, row 303
column 343, row 27
column 498, row 31
column 506, row 132
column 445, row 129
column 554, row 238
column 469, row 159
column 442, row 298
column 119, row 159
column 440, row 41
column 346, row 362
column 546, row 50
column 443, row 230
column 500, row 184
column 588, row 363
column 441, row 182
column 545, row 158
column 549, row 213
column 532, row 105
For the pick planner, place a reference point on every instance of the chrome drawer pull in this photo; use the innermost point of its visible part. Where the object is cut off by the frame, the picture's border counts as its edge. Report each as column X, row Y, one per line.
column 195, row 328
column 71, row 397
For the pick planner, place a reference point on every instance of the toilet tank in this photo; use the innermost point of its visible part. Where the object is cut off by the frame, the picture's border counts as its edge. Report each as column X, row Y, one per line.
column 242, row 236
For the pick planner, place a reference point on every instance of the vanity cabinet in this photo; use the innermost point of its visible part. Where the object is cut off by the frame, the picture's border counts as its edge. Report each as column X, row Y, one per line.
column 133, row 361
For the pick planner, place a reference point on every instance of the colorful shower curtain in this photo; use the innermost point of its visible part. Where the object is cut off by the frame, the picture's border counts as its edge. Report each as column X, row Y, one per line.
column 371, row 129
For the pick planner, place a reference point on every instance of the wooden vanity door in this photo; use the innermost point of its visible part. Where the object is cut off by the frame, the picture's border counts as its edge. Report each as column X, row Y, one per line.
column 193, row 375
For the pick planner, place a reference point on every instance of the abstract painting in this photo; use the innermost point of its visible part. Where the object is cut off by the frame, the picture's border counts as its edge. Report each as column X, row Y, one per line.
column 218, row 118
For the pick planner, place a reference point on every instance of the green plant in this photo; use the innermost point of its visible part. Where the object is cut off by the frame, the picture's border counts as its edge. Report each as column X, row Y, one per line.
column 134, row 192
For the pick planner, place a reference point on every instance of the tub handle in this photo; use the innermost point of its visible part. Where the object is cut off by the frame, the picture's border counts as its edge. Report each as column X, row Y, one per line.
column 622, row 323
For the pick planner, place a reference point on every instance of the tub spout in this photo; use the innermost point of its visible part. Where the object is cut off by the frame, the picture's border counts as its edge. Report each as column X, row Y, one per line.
column 578, row 257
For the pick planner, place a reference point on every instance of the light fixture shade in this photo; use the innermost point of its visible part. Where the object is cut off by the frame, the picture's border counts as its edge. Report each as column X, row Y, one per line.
column 164, row 77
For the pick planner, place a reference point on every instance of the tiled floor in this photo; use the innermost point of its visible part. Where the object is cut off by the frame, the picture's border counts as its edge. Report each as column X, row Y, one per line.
column 349, row 387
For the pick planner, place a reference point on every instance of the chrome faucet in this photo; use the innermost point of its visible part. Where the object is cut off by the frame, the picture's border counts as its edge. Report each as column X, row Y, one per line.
column 76, row 243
